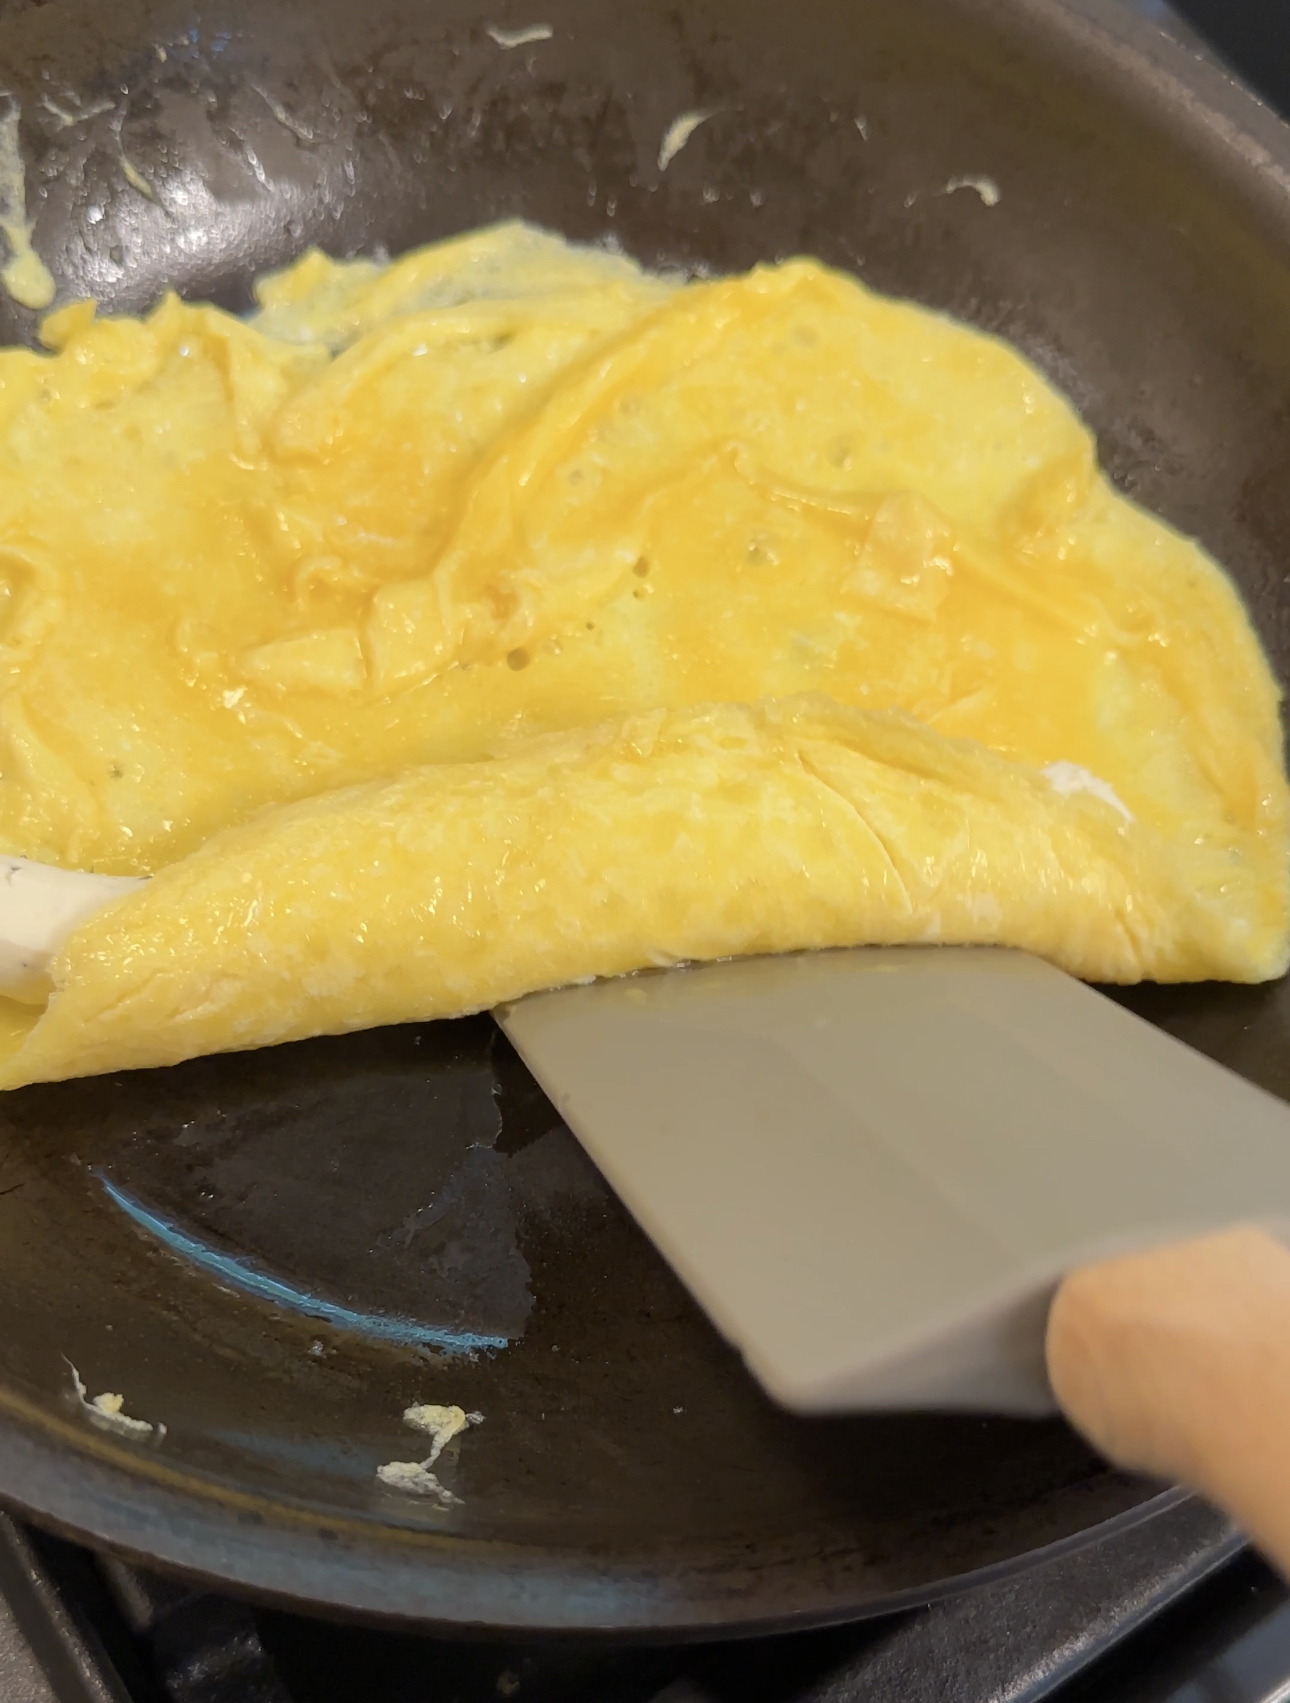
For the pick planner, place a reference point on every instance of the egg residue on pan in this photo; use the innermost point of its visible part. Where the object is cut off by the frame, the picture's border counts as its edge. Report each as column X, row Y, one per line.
column 507, row 615
column 441, row 1424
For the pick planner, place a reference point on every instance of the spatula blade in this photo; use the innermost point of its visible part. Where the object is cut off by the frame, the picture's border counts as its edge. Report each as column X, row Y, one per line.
column 871, row 1167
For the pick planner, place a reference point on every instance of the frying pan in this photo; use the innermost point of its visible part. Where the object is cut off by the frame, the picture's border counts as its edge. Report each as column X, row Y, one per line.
column 274, row 1253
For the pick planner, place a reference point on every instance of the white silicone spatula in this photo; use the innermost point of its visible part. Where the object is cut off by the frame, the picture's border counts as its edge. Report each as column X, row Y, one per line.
column 872, row 1167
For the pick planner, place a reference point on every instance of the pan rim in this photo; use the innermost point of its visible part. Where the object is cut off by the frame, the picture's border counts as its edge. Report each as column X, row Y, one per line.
column 439, row 1584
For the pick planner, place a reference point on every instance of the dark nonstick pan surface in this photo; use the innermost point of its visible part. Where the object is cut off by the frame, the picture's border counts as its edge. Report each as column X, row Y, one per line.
column 275, row 1253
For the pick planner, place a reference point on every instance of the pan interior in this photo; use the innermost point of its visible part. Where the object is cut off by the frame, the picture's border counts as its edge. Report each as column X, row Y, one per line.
column 274, row 1254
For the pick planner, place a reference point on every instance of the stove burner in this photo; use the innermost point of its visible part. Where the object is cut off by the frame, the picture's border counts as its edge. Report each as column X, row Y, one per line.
column 1072, row 1628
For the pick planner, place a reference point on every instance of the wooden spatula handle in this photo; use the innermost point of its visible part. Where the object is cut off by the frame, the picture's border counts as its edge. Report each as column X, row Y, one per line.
column 1177, row 1363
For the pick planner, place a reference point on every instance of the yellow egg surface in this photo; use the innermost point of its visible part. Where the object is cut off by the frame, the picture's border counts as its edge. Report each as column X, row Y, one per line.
column 507, row 615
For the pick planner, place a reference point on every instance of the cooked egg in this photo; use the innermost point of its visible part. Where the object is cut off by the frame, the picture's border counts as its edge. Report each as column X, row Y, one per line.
column 509, row 615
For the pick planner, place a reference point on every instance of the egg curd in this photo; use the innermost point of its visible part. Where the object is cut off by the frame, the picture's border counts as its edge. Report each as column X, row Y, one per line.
column 508, row 615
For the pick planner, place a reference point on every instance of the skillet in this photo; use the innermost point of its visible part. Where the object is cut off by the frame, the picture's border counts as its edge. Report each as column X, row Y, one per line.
column 274, row 1253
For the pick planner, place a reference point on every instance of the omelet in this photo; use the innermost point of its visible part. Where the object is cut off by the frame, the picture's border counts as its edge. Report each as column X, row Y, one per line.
column 508, row 615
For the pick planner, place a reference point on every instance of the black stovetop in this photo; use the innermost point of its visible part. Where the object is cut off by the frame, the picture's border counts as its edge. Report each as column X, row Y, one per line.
column 1173, row 1610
